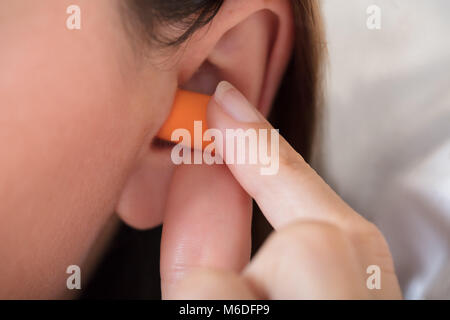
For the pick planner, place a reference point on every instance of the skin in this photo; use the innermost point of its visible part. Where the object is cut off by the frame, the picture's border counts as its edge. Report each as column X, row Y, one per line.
column 75, row 113
column 78, row 115
column 320, row 249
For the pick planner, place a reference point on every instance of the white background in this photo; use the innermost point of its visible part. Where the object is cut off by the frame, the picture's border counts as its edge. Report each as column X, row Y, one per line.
column 385, row 131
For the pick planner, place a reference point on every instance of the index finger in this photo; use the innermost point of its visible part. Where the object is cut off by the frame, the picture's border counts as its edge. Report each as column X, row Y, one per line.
column 294, row 190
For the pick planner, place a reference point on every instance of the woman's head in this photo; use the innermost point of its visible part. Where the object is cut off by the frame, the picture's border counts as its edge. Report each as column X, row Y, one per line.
column 80, row 110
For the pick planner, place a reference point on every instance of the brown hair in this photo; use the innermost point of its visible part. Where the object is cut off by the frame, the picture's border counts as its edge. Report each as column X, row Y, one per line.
column 298, row 100
column 296, row 106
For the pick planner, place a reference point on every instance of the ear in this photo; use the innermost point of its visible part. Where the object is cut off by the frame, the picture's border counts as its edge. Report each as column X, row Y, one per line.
column 249, row 44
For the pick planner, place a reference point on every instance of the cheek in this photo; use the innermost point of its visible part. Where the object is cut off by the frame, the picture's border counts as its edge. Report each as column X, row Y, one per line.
column 73, row 116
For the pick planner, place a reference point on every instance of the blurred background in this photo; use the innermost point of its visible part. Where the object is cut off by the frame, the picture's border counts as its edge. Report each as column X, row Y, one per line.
column 384, row 143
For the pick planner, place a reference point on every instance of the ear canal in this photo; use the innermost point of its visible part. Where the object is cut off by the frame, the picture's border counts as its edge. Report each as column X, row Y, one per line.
column 188, row 107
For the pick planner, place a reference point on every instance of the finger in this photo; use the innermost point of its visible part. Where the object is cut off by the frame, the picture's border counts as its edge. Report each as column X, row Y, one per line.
column 286, row 188
column 308, row 260
column 209, row 284
column 207, row 223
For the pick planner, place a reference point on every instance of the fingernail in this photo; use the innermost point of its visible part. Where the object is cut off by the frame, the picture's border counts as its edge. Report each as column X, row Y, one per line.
column 234, row 103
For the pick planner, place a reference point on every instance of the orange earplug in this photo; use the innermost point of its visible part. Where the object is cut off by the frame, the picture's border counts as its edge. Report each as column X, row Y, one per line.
column 188, row 107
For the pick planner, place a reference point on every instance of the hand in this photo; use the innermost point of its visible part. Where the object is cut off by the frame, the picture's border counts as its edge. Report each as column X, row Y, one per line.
column 320, row 248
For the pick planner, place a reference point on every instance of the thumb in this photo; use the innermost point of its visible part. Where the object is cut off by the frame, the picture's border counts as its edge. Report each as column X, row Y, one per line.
column 207, row 224
column 213, row 284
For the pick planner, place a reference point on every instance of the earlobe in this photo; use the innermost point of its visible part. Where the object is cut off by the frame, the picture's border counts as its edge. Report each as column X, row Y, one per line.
column 141, row 204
